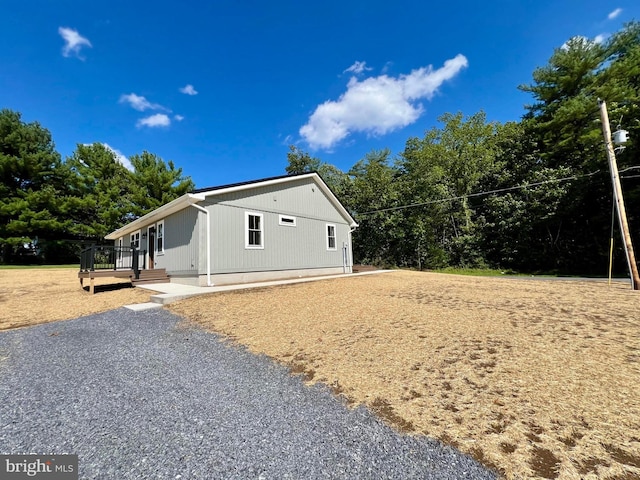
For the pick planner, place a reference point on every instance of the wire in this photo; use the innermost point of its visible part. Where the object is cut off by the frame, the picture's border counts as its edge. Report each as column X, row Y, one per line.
column 480, row 194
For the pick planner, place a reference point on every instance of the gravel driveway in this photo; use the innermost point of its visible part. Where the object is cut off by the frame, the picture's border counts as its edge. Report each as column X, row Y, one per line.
column 136, row 396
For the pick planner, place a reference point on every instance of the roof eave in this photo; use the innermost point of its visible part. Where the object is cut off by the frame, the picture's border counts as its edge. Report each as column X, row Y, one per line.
column 174, row 206
column 190, row 198
column 336, row 203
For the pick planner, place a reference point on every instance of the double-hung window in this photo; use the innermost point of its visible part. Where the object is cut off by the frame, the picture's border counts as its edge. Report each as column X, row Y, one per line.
column 160, row 237
column 253, row 230
column 135, row 239
column 331, row 237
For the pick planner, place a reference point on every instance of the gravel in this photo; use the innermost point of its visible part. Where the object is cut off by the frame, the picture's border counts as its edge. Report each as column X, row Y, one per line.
column 138, row 395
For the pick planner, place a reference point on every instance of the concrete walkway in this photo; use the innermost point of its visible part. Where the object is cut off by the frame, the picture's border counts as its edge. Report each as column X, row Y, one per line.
column 172, row 292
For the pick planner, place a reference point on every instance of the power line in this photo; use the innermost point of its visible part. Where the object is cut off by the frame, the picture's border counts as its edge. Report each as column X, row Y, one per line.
column 480, row 194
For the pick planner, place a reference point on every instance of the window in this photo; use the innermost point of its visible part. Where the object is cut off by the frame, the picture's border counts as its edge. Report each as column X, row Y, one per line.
column 253, row 230
column 287, row 220
column 160, row 237
column 135, row 239
column 120, row 249
column 331, row 237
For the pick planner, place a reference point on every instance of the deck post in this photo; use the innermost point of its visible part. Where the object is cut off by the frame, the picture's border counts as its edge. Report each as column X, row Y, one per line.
column 135, row 263
column 93, row 258
column 92, row 286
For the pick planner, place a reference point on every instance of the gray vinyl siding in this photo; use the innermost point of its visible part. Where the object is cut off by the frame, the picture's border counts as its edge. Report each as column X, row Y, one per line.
column 301, row 197
column 299, row 247
column 181, row 243
column 126, row 242
column 285, row 247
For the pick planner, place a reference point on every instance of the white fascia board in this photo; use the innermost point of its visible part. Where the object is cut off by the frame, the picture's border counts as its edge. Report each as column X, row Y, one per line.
column 252, row 185
column 158, row 214
column 336, row 203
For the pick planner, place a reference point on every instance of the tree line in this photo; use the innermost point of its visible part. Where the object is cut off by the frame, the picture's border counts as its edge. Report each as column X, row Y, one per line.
column 530, row 196
column 50, row 208
column 431, row 206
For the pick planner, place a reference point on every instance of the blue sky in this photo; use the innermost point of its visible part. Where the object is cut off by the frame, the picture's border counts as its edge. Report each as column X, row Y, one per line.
column 223, row 87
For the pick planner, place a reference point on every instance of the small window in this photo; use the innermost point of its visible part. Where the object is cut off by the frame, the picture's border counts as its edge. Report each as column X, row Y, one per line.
column 253, row 230
column 120, row 249
column 160, row 237
column 331, row 237
column 135, row 239
column 287, row 220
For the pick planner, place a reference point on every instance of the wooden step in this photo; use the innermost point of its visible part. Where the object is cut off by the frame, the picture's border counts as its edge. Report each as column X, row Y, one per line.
column 135, row 282
column 156, row 275
column 152, row 277
column 153, row 272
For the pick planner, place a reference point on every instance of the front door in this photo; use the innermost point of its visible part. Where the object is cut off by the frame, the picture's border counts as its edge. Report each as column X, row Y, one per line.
column 151, row 245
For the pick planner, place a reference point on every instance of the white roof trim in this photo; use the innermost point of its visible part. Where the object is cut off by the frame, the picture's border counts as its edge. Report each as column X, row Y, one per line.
column 158, row 214
column 190, row 198
column 336, row 203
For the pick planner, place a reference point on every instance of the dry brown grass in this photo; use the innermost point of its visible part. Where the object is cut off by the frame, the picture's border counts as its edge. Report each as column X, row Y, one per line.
column 538, row 379
column 31, row 296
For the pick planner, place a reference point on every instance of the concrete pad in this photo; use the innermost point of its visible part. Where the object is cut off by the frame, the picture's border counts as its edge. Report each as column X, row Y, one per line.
column 139, row 307
column 172, row 292
column 167, row 298
column 175, row 288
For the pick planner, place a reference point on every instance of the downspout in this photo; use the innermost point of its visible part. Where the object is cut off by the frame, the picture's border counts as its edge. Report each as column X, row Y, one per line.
column 202, row 209
column 351, row 230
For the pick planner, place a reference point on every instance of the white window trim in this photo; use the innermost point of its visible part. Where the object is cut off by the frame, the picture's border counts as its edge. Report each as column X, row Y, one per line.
column 282, row 220
column 246, row 231
column 335, row 239
column 160, row 252
column 120, row 243
column 132, row 242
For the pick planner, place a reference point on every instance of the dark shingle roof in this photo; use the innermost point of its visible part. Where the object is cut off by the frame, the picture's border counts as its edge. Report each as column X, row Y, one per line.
column 239, row 184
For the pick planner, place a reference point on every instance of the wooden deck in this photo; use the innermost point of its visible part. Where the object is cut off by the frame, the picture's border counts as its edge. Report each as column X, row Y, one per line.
column 108, row 261
column 157, row 275
column 92, row 275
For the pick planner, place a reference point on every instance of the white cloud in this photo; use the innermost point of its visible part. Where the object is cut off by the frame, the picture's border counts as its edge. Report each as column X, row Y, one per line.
column 287, row 140
column 614, row 14
column 386, row 67
column 580, row 41
column 178, row 118
column 140, row 103
column 600, row 38
column 157, row 120
column 189, row 90
column 119, row 156
column 73, row 42
column 357, row 68
column 377, row 105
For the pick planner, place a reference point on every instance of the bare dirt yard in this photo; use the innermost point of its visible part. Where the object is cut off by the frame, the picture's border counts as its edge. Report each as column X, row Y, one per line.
column 536, row 379
column 32, row 296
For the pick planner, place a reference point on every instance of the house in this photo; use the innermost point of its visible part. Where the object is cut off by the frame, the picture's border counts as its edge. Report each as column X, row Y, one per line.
column 279, row 227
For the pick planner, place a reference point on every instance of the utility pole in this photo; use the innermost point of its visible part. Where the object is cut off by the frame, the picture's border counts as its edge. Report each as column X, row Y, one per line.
column 617, row 192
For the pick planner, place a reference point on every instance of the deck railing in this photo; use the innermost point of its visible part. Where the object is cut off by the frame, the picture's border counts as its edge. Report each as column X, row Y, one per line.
column 109, row 257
